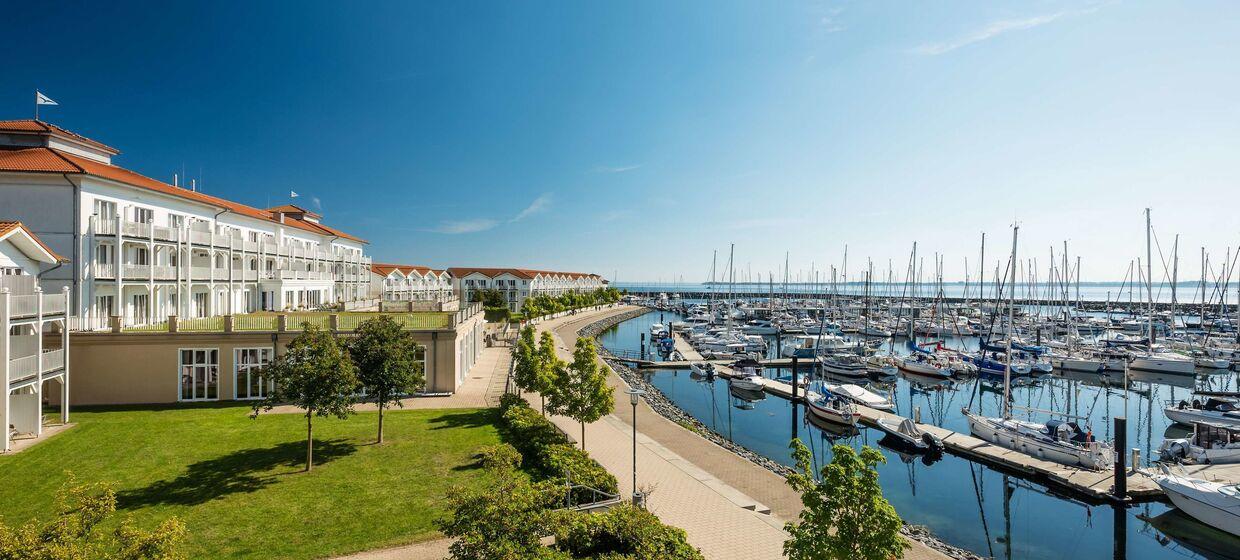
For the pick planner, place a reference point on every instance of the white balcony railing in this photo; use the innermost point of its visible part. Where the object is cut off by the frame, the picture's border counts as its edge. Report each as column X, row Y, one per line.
column 201, row 237
column 140, row 271
column 105, row 227
column 135, row 229
column 165, row 272
column 104, row 270
column 53, row 360
column 23, row 367
column 23, row 306
column 54, row 304
column 163, row 233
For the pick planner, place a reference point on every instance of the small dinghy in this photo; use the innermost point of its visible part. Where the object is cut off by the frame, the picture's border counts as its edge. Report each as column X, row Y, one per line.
column 907, row 432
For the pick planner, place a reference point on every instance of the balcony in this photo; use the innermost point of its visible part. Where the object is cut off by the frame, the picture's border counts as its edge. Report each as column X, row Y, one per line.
column 27, row 306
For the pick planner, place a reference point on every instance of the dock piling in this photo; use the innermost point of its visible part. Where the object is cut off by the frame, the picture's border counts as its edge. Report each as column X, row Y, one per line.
column 1121, row 443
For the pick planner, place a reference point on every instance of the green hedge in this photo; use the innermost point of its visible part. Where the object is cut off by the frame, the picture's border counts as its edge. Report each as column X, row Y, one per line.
column 624, row 532
column 546, row 452
column 495, row 314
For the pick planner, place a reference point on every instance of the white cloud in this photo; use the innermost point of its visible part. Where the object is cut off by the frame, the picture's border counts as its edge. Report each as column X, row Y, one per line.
column 539, row 205
column 986, row 32
column 455, row 227
column 616, row 169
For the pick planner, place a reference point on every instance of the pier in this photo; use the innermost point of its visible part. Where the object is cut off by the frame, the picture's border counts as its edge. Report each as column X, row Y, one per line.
column 1096, row 486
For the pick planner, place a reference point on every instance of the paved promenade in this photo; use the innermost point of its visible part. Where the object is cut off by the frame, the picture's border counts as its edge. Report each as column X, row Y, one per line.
column 698, row 486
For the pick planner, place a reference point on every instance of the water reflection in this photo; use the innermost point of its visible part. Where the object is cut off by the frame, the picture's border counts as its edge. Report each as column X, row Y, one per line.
column 987, row 511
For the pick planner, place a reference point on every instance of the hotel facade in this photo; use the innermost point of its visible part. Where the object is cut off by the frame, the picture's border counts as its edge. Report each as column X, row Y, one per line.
column 399, row 282
column 519, row 284
column 143, row 250
column 34, row 339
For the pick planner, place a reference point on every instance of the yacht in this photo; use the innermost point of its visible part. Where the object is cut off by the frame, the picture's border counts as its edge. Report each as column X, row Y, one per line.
column 861, row 396
column 1214, row 409
column 845, row 365
column 1061, row 441
column 1212, row 444
column 831, row 408
column 1163, row 362
column 1216, row 505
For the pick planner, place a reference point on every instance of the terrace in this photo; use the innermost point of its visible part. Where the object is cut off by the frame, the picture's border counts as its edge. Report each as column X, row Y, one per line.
column 266, row 322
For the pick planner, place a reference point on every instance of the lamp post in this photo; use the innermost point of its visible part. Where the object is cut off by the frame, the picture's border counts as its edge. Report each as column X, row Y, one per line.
column 635, row 395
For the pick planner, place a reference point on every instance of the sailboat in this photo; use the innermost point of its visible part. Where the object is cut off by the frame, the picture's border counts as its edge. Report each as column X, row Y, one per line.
column 1150, row 360
column 1059, row 440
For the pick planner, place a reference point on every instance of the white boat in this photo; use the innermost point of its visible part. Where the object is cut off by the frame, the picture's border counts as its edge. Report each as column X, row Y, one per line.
column 749, row 382
column 1216, row 505
column 1061, row 441
column 845, row 365
column 1064, row 362
column 831, row 408
column 918, row 364
column 1163, row 362
column 809, row 346
column 882, row 366
column 705, row 369
column 862, row 396
column 1216, row 410
column 1209, row 362
column 1208, row 444
column 907, row 431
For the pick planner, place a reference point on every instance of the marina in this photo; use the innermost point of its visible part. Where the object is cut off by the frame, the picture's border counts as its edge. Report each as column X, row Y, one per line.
column 971, row 475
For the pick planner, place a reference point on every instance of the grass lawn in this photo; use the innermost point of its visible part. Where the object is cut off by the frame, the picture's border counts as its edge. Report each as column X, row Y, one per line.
column 237, row 483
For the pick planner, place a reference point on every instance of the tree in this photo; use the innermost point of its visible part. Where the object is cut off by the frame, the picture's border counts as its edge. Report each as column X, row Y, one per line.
column 545, row 373
column 315, row 373
column 505, row 520
column 581, row 388
column 490, row 297
column 387, row 363
column 845, row 515
column 524, row 356
column 80, row 508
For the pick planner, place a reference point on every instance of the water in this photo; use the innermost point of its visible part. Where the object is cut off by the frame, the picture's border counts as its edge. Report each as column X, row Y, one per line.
column 963, row 503
column 1186, row 292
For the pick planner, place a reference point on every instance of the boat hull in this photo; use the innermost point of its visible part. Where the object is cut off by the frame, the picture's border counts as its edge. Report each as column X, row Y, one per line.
column 1206, row 509
column 987, row 429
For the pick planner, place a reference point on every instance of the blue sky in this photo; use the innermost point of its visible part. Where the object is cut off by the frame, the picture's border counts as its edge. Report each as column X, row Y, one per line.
column 636, row 137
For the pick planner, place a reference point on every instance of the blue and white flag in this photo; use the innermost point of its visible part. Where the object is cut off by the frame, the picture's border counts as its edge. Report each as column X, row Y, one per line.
column 293, row 194
column 40, row 99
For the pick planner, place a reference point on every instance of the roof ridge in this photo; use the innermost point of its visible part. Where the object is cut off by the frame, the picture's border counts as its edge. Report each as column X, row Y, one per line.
column 57, row 153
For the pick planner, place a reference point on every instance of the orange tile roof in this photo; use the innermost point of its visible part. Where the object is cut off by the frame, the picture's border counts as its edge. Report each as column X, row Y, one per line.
column 458, row 272
column 41, row 160
column 51, row 160
column 8, row 226
column 31, row 125
column 383, row 269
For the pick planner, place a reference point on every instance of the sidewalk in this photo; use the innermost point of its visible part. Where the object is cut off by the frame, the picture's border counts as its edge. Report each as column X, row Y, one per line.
column 698, row 486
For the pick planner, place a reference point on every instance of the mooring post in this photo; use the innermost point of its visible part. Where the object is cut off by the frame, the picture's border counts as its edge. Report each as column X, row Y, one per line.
column 1121, row 443
column 643, row 345
column 794, row 398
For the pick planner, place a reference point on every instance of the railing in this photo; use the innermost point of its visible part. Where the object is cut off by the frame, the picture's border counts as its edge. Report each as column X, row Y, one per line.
column 191, row 324
column 105, row 227
column 200, row 237
column 200, row 272
column 164, row 272
column 19, row 285
column 164, row 233
column 23, row 306
column 296, row 321
column 149, row 327
column 136, row 270
column 104, row 270
column 54, row 304
column 424, row 321
column 53, row 360
column 256, row 322
column 20, row 368
column 135, row 229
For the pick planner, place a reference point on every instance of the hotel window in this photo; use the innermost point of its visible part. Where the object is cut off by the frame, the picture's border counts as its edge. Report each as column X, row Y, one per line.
column 175, row 221
column 200, row 374
column 10, row 271
column 103, row 254
column 103, row 305
column 143, row 215
column 249, row 380
column 106, row 210
column 140, row 256
column 200, row 304
column 141, row 308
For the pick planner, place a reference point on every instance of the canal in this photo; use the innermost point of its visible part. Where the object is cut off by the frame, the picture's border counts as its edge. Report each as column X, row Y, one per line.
column 969, row 505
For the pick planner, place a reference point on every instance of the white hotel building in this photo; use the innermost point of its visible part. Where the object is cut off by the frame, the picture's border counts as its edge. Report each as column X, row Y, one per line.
column 142, row 249
column 400, row 282
column 517, row 284
column 34, row 339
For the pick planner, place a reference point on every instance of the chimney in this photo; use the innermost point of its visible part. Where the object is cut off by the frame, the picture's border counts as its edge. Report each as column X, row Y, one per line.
column 176, row 180
column 193, row 185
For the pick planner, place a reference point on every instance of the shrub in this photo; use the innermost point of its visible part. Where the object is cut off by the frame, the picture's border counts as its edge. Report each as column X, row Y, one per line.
column 529, row 431
column 624, row 532
column 500, row 457
column 566, row 463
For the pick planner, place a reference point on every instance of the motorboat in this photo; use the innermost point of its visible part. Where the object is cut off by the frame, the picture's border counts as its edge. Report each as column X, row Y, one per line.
column 704, row 369
column 810, row 346
column 1212, row 503
column 1067, row 362
column 748, row 376
column 1208, row 444
column 861, row 396
column 1220, row 410
column 845, row 365
column 1163, row 362
column 831, row 407
column 908, row 433
column 1061, row 441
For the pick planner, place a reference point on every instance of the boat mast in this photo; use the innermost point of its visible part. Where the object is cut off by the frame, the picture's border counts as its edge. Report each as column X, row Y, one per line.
column 1007, row 366
column 1149, row 282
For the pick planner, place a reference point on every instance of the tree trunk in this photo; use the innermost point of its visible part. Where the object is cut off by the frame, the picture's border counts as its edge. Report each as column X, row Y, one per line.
column 542, row 404
column 380, row 419
column 309, row 440
column 583, row 436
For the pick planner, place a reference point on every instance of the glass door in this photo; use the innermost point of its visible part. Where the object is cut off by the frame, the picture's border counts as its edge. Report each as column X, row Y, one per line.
column 200, row 374
column 248, row 379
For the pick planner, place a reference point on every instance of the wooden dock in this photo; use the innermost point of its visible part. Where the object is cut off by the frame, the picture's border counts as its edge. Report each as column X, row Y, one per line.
column 1096, row 486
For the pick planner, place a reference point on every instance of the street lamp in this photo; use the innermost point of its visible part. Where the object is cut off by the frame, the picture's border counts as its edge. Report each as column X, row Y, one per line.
column 635, row 395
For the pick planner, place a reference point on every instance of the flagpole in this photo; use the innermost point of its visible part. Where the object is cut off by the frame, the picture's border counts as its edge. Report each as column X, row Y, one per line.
column 36, row 104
